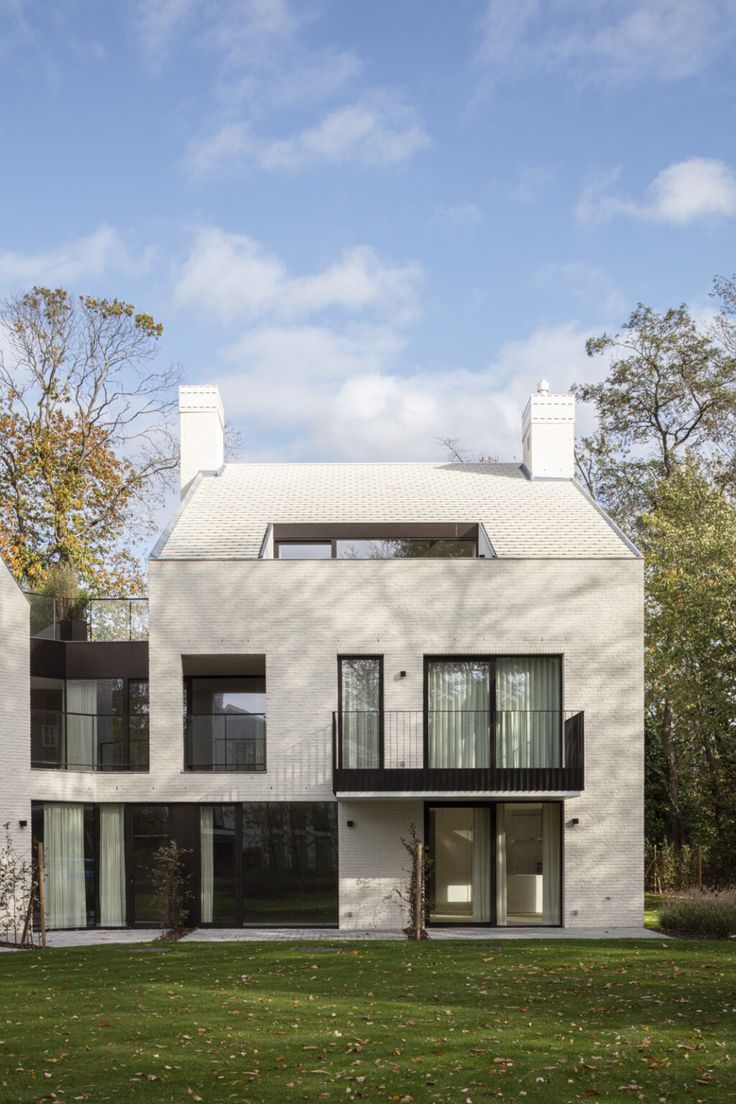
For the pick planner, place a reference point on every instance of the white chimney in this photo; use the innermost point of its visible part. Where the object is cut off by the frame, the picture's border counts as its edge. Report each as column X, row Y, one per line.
column 548, row 434
column 201, row 432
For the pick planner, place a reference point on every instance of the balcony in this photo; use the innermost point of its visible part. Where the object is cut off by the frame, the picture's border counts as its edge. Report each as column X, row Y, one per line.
column 440, row 751
column 225, row 742
column 89, row 619
column 88, row 742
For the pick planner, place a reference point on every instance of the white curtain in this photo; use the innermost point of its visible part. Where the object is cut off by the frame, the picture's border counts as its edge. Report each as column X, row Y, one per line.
column 112, row 866
column 361, row 719
column 528, row 721
column 501, row 865
column 551, row 863
column 207, row 848
column 63, row 840
column 459, row 714
column 81, row 724
column 481, row 864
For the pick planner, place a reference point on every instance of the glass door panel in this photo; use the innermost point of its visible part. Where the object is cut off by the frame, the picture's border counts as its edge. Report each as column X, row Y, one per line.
column 150, row 829
column 460, row 846
column 459, row 713
column 360, row 712
column 528, row 871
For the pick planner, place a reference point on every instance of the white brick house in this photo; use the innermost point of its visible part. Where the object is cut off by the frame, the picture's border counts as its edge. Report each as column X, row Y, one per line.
column 338, row 652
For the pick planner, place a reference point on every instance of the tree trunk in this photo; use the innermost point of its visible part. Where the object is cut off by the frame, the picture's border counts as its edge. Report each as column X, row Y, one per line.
column 675, row 830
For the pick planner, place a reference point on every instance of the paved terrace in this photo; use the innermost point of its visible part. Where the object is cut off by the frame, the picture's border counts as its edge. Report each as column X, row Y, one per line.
column 94, row 937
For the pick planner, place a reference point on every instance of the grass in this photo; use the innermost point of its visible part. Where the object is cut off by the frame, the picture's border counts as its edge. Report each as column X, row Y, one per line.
column 526, row 1022
column 651, row 911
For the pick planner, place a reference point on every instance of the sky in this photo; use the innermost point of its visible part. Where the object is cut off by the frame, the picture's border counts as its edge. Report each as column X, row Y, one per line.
column 374, row 225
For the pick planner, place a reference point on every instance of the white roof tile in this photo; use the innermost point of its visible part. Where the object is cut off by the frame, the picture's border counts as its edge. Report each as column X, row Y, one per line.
column 226, row 515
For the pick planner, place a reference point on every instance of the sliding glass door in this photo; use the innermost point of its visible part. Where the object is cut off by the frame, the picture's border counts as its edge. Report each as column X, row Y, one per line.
column 496, row 712
column 460, row 850
column 498, row 864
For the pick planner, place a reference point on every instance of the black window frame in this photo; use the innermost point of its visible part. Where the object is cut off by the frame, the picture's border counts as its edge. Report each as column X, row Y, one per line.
column 379, row 659
column 490, row 659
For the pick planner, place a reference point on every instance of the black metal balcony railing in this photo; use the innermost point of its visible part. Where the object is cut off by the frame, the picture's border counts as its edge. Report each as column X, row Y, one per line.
column 463, row 750
column 89, row 619
column 225, row 742
column 89, row 742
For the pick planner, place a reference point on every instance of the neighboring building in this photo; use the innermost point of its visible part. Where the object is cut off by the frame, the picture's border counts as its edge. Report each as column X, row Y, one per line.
column 337, row 653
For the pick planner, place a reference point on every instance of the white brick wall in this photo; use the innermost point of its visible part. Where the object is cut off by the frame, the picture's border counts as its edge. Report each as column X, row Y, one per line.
column 301, row 615
column 15, row 733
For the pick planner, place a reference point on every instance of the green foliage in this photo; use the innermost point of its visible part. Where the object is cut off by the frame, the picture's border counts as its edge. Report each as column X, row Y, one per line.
column 170, row 887
column 662, row 461
column 700, row 912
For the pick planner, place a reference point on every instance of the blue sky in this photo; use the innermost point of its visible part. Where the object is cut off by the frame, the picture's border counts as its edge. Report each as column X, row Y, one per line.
column 373, row 224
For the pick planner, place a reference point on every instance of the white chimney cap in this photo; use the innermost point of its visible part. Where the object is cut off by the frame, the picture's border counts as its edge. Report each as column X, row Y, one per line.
column 543, row 387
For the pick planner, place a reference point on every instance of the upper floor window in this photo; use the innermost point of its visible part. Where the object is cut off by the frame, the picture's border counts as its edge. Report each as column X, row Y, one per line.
column 89, row 724
column 225, row 723
column 376, row 542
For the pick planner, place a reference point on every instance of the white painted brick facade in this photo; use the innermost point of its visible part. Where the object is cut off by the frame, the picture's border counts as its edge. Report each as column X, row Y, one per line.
column 15, row 733
column 300, row 615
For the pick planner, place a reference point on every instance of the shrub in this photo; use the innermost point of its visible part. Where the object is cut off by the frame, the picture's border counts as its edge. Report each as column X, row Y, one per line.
column 700, row 912
column 170, row 890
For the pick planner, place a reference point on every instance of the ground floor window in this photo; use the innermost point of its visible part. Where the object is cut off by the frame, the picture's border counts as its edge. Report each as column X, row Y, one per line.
column 257, row 863
column 496, row 863
column 269, row 863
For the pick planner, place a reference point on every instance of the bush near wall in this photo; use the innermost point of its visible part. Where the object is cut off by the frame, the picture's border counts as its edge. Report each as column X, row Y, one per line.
column 700, row 912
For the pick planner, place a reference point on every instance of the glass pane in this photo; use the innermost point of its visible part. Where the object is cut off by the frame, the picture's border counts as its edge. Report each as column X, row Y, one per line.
column 240, row 694
column 219, row 872
column 528, row 715
column 290, row 863
column 403, row 548
column 138, row 696
column 292, row 550
column 460, row 846
column 150, row 830
column 360, row 720
column 459, row 713
column 528, row 876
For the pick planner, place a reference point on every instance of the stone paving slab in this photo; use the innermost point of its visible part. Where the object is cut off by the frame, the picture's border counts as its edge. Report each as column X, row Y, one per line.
column 101, row 937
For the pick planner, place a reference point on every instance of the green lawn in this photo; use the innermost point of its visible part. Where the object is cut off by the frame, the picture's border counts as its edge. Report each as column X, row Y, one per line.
column 524, row 1022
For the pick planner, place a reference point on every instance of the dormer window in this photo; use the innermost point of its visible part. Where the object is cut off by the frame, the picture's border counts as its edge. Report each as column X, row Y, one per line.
column 376, row 542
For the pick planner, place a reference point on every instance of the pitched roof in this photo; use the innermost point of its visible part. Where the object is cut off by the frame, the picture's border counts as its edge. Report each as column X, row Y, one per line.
column 226, row 515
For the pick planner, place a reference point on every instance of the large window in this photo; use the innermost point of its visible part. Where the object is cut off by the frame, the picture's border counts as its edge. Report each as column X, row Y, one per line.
column 226, row 723
column 361, row 710
column 376, row 542
column 502, row 711
column 290, row 863
column 90, row 724
column 269, row 863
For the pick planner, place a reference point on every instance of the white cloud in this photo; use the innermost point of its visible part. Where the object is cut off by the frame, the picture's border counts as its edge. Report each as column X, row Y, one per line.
column 377, row 131
column 630, row 40
column 158, row 21
column 209, row 156
column 241, row 31
column 698, row 188
column 341, row 395
column 84, row 258
column 232, row 276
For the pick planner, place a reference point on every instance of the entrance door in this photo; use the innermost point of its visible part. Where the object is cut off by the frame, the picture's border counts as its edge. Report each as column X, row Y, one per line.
column 149, row 828
column 460, row 846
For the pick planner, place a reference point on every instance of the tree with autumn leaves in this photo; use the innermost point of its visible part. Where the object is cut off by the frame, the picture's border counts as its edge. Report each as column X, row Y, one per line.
column 86, row 448
column 663, row 463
